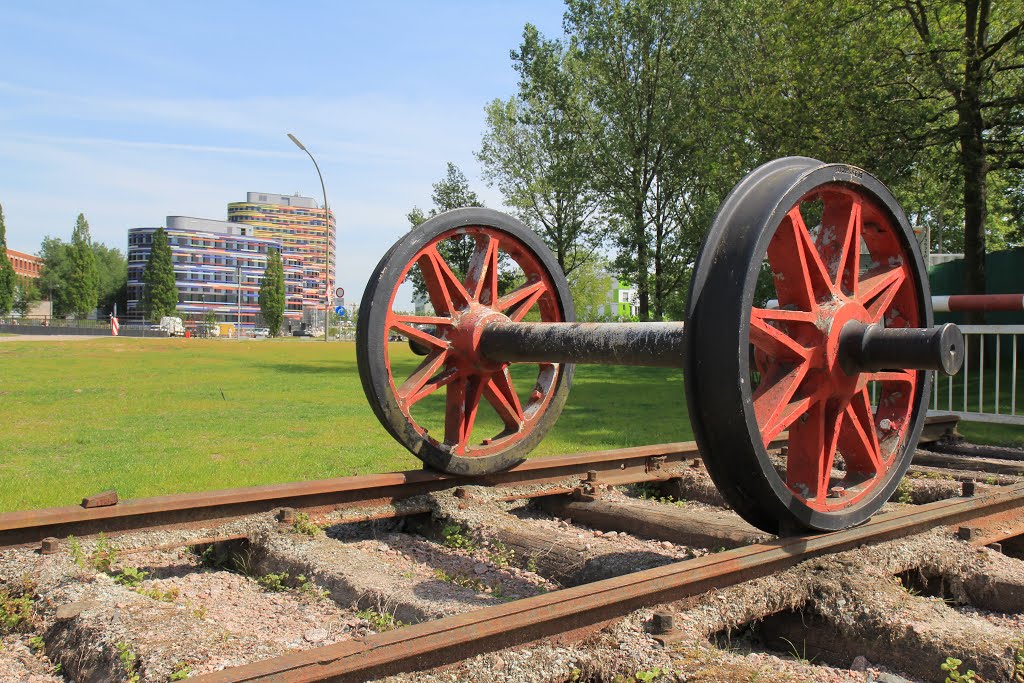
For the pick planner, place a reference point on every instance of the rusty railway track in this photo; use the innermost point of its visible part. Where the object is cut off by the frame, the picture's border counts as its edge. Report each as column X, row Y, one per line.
column 614, row 467
column 444, row 641
column 991, row 517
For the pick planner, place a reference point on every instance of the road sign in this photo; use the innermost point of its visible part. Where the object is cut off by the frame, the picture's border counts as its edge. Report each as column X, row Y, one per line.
column 339, row 292
column 340, row 310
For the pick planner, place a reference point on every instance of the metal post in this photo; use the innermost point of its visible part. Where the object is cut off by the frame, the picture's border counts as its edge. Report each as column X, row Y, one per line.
column 327, row 235
column 238, row 282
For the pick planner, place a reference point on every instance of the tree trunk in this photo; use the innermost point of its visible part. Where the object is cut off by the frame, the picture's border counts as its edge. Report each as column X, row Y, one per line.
column 642, row 260
column 974, row 165
column 659, row 284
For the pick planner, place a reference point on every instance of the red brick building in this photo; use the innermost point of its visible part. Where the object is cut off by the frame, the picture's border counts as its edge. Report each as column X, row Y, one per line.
column 25, row 265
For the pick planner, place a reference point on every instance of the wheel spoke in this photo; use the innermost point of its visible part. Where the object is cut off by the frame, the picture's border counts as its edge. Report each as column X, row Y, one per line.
column 772, row 340
column 416, row 386
column 517, row 303
column 858, row 439
column 904, row 376
column 502, row 395
column 419, row 320
column 800, row 276
column 812, row 449
column 773, row 402
column 482, row 278
column 882, row 287
column 420, row 335
column 461, row 403
column 447, row 294
column 844, row 251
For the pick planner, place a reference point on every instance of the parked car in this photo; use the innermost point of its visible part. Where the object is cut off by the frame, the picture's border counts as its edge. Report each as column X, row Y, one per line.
column 302, row 333
column 261, row 332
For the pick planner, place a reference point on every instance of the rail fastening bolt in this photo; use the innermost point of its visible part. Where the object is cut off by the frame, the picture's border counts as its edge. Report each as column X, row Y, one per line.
column 48, row 546
column 965, row 533
column 784, row 451
column 286, row 516
column 998, row 547
column 591, row 475
column 967, row 489
column 663, row 623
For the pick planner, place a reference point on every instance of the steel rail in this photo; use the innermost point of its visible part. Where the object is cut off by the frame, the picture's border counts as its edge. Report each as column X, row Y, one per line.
column 614, row 467
column 625, row 465
column 451, row 639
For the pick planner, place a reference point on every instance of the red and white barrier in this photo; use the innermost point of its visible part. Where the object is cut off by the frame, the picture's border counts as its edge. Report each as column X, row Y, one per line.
column 964, row 302
column 115, row 326
column 978, row 302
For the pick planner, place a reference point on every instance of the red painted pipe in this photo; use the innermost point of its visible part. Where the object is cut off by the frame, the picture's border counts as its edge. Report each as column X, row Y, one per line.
column 978, row 302
column 964, row 302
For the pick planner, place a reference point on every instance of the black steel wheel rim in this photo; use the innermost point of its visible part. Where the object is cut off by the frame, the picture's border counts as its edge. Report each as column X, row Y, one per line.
column 374, row 324
column 718, row 345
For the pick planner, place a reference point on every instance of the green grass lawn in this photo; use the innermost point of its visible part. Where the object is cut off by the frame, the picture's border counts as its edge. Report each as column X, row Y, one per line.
column 157, row 416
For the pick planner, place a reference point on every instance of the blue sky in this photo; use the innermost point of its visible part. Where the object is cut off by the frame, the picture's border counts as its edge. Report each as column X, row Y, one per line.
column 129, row 112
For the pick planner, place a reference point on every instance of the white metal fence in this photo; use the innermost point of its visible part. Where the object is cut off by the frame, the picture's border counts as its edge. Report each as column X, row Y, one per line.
column 986, row 389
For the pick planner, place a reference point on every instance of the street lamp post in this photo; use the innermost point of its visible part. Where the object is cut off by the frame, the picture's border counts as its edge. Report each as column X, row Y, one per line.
column 327, row 237
column 238, row 281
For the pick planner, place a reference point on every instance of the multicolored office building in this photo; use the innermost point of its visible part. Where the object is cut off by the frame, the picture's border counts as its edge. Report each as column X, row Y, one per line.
column 215, row 261
column 218, row 268
column 305, row 237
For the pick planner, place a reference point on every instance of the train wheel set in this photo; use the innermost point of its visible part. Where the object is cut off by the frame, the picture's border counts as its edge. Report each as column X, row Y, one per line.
column 839, row 361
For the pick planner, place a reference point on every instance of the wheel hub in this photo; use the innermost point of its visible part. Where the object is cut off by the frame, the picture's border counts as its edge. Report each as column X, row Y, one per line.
column 833, row 320
column 464, row 337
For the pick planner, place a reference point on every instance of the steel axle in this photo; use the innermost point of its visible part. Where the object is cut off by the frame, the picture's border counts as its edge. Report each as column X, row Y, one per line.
column 862, row 347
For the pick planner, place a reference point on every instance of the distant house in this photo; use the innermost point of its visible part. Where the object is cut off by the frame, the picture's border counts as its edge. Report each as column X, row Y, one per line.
column 28, row 267
column 25, row 265
column 620, row 300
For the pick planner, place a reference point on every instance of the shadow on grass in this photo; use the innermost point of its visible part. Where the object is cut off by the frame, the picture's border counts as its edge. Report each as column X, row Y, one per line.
column 309, row 368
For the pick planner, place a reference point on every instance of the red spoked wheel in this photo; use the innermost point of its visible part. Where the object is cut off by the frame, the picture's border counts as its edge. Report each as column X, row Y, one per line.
column 831, row 246
column 452, row 407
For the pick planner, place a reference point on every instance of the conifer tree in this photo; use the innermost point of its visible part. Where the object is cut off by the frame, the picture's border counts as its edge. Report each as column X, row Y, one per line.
column 272, row 293
column 83, row 279
column 160, row 297
column 6, row 271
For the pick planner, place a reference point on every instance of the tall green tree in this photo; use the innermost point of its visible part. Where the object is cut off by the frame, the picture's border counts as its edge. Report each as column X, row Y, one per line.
column 82, row 276
column 7, row 282
column 272, row 295
column 112, row 272
column 53, row 281
column 536, row 150
column 968, row 56
column 929, row 95
column 26, row 295
column 589, row 285
column 630, row 55
column 160, row 295
column 451, row 192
